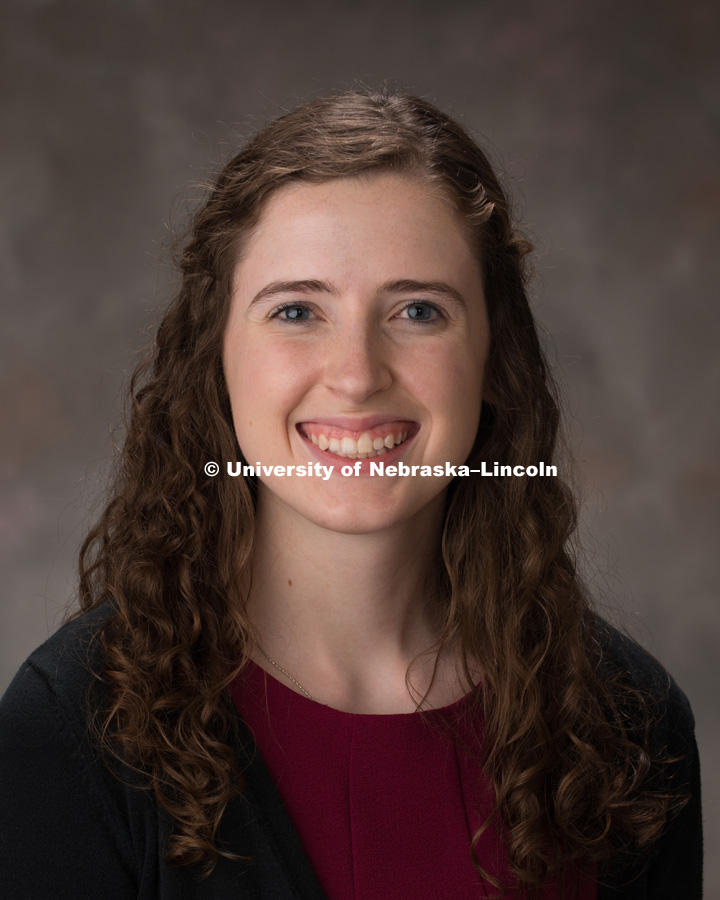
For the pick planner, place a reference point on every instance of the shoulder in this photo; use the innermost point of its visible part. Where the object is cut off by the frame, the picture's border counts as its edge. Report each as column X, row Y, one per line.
column 57, row 793
column 655, row 713
column 44, row 713
column 623, row 661
column 59, row 672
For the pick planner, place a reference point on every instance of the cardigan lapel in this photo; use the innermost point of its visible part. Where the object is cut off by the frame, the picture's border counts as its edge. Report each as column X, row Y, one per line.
column 276, row 838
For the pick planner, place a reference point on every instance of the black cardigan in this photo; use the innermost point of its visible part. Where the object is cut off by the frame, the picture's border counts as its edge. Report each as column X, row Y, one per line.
column 71, row 829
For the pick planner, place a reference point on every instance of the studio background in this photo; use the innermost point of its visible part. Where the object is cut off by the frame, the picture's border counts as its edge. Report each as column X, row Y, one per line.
column 604, row 118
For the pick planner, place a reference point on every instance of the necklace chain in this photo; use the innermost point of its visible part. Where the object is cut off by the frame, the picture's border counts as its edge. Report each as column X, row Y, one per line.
column 286, row 674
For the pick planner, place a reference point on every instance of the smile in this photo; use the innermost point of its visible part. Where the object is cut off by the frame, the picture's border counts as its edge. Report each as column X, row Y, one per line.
column 348, row 444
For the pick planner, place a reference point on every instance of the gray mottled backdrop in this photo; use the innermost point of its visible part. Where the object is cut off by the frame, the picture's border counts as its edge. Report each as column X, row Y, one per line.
column 604, row 117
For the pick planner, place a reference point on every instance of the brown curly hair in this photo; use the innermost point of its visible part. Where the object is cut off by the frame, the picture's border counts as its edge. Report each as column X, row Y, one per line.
column 572, row 782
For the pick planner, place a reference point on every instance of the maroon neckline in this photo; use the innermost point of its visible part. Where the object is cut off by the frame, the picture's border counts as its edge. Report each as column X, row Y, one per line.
column 316, row 705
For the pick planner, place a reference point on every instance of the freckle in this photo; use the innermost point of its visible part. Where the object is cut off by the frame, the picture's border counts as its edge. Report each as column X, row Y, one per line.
column 250, row 422
column 290, row 581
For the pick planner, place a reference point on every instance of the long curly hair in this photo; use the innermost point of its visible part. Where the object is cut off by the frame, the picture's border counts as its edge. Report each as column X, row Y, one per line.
column 572, row 782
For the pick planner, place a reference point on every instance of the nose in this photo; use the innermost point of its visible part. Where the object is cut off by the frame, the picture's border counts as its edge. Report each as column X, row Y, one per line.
column 357, row 364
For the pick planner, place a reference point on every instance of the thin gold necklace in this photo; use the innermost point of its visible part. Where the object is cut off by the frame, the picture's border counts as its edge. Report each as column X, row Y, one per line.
column 286, row 674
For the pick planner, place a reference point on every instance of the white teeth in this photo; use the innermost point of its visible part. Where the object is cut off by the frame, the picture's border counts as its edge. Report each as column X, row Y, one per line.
column 364, row 447
column 365, row 443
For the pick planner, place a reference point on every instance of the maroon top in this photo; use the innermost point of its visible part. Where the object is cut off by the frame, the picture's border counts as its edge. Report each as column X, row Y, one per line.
column 385, row 805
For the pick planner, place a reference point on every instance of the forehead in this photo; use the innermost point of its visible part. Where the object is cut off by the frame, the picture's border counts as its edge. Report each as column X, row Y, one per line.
column 381, row 220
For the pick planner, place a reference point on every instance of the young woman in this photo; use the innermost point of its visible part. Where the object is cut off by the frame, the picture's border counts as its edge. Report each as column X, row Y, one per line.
column 332, row 641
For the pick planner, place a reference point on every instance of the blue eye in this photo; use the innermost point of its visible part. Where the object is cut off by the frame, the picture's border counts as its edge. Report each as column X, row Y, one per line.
column 422, row 312
column 292, row 312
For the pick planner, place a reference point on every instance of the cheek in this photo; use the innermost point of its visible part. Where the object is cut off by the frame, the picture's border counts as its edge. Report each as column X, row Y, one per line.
column 449, row 383
column 264, row 378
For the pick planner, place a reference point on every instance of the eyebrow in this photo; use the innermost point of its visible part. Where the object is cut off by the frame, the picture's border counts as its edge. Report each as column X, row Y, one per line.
column 403, row 286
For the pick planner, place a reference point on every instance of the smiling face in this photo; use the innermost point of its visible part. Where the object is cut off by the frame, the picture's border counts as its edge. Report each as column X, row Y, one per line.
column 357, row 329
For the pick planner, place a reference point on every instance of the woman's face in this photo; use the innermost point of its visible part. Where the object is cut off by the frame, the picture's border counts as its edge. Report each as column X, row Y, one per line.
column 357, row 332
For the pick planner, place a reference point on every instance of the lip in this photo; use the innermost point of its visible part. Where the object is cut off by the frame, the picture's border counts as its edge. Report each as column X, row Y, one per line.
column 358, row 423
column 391, row 457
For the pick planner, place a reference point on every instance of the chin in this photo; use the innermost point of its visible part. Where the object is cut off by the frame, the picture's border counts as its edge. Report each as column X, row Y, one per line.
column 354, row 524
column 367, row 518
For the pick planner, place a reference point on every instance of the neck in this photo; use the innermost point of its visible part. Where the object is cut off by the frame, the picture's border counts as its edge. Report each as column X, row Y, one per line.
column 346, row 614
